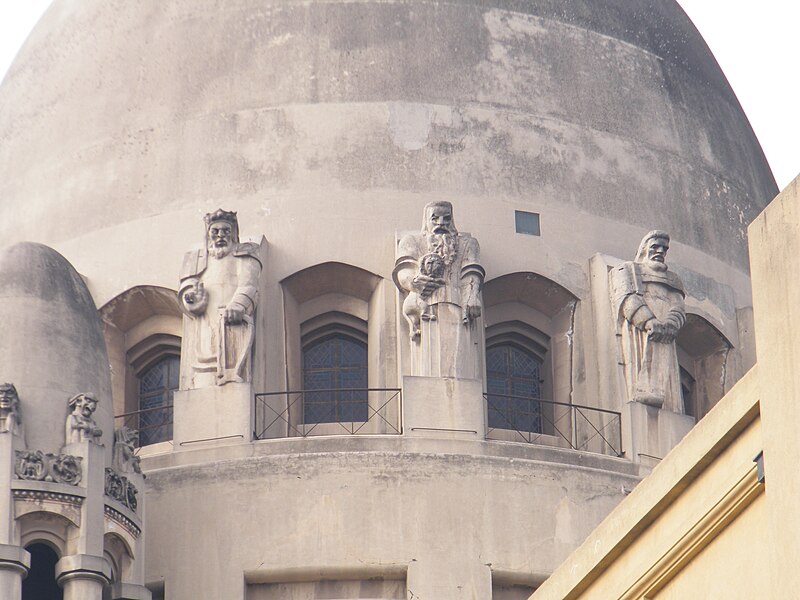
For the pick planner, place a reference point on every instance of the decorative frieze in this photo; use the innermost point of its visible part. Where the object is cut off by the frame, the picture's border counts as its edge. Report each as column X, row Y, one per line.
column 41, row 496
column 123, row 521
column 120, row 489
column 34, row 465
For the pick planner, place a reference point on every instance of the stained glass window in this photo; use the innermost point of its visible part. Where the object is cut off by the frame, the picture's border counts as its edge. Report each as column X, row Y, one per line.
column 513, row 382
column 156, row 387
column 335, row 380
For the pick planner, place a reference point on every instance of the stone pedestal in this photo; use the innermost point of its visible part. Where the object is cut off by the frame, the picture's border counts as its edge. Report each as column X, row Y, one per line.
column 83, row 576
column 445, row 577
column 14, row 565
column 213, row 415
column 650, row 432
column 433, row 406
column 127, row 591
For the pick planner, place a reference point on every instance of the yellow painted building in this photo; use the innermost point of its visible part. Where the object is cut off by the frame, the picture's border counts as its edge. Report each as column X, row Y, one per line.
column 717, row 518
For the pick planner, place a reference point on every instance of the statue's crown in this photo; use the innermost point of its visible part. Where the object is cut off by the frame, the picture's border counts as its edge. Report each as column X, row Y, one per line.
column 220, row 215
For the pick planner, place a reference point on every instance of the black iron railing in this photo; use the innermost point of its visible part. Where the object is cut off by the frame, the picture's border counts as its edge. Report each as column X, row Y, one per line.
column 153, row 424
column 350, row 411
column 537, row 421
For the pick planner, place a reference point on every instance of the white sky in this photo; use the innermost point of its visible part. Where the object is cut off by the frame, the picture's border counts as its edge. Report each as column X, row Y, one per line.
column 755, row 43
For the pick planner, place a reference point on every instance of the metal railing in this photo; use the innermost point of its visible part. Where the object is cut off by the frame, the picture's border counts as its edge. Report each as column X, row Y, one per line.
column 537, row 421
column 339, row 411
column 153, row 424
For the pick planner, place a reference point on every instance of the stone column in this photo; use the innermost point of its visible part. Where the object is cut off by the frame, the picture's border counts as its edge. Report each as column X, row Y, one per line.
column 83, row 576
column 14, row 565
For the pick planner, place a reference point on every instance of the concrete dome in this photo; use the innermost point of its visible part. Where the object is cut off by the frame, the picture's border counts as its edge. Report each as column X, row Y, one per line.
column 328, row 125
column 297, row 114
column 53, row 346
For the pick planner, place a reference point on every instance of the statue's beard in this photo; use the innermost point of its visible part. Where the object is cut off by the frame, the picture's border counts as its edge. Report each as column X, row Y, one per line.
column 656, row 265
column 219, row 251
column 445, row 245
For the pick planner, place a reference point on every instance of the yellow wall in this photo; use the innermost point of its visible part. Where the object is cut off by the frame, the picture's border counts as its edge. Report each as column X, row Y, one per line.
column 702, row 525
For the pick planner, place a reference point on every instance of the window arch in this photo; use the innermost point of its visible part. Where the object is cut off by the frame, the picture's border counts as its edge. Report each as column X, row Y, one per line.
column 41, row 579
column 143, row 328
column 157, row 385
column 341, row 308
column 332, row 366
column 703, row 353
column 514, row 388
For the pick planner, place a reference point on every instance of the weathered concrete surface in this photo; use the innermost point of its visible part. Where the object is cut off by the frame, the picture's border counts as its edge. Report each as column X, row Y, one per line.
column 295, row 509
column 52, row 346
column 117, row 113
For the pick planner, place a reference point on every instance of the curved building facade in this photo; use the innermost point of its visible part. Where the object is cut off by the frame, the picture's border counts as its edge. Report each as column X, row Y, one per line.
column 560, row 132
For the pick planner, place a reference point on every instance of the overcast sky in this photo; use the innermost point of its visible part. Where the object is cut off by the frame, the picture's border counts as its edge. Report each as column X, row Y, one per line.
column 756, row 44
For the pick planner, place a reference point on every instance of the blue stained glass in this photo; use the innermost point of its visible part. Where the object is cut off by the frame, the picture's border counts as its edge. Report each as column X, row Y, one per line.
column 156, row 388
column 513, row 383
column 336, row 363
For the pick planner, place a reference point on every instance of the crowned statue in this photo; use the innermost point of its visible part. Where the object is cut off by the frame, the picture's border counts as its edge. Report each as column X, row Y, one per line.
column 648, row 304
column 218, row 295
column 438, row 271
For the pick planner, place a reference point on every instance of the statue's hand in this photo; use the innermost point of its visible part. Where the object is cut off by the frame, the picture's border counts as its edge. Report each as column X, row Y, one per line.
column 663, row 332
column 234, row 313
column 471, row 311
column 196, row 299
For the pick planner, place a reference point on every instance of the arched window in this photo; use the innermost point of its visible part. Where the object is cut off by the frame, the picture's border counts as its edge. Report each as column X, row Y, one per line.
column 513, row 384
column 41, row 580
column 157, row 384
column 335, row 380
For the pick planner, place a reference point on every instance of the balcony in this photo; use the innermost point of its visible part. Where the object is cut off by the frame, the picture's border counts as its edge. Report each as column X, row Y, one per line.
column 536, row 421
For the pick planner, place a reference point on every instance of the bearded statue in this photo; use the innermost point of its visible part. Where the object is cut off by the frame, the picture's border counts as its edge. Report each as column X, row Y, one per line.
column 218, row 295
column 10, row 421
column 438, row 271
column 648, row 304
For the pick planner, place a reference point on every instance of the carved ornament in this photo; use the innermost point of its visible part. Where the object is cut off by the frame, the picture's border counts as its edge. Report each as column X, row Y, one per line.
column 57, row 468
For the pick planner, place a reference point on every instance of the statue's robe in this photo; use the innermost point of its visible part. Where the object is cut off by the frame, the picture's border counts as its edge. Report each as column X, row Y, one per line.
column 651, row 368
column 213, row 352
column 447, row 347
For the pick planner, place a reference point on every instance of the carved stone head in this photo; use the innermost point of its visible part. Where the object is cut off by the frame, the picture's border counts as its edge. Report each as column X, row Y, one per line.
column 9, row 400
column 126, row 436
column 431, row 265
column 653, row 250
column 83, row 405
column 438, row 219
column 222, row 232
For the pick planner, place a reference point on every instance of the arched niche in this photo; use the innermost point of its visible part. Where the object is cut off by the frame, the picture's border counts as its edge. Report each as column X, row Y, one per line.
column 703, row 355
column 119, row 554
column 537, row 311
column 46, row 527
column 323, row 300
column 142, row 325
column 529, row 313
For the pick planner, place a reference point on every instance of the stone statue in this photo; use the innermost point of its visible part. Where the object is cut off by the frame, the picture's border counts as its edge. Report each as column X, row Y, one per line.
column 80, row 422
column 438, row 268
column 10, row 421
column 648, row 303
column 218, row 293
column 125, row 459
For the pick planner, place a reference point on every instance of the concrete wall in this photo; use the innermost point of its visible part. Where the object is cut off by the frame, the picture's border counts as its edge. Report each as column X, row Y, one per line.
column 436, row 513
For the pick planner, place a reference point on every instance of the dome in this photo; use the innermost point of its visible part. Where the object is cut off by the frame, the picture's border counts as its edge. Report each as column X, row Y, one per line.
column 554, row 133
column 299, row 113
column 53, row 346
